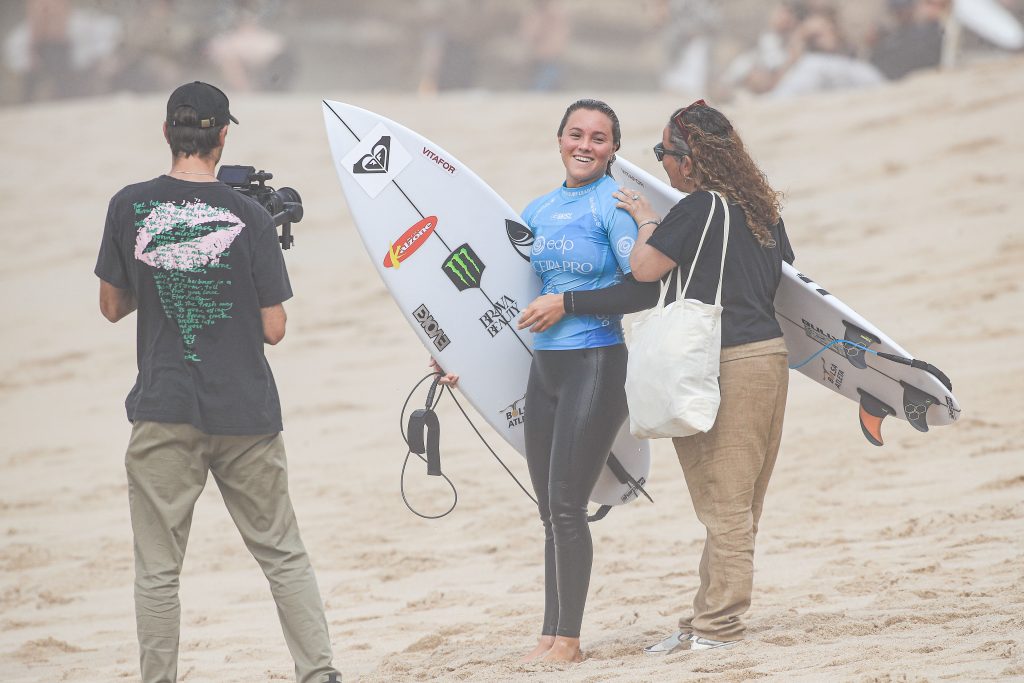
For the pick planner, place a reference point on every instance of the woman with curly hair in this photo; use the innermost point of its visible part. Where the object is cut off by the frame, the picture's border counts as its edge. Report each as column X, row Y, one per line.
column 728, row 467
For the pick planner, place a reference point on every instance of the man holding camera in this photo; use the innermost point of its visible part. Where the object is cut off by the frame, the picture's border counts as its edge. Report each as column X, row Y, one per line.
column 201, row 264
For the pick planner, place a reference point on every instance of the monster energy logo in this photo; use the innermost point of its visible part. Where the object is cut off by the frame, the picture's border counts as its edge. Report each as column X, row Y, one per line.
column 464, row 268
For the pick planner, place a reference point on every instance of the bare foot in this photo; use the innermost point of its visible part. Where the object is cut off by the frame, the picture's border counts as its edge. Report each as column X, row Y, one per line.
column 564, row 651
column 544, row 644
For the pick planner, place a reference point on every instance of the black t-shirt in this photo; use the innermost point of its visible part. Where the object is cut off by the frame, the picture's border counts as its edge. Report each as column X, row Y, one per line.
column 752, row 272
column 201, row 260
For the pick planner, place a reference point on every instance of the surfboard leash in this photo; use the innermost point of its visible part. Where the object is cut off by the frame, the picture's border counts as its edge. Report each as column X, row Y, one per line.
column 424, row 422
column 913, row 362
column 613, row 462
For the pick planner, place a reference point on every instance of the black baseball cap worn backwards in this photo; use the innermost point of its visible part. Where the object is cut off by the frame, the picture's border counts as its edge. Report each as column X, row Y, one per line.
column 210, row 103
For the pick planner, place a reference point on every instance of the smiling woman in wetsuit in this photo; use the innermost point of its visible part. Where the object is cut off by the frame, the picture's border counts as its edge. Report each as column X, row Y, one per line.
column 575, row 398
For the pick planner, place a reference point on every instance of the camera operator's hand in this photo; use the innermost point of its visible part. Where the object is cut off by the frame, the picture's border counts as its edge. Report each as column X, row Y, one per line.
column 446, row 377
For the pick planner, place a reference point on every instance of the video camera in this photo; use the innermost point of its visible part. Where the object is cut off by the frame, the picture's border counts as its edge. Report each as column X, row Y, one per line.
column 284, row 205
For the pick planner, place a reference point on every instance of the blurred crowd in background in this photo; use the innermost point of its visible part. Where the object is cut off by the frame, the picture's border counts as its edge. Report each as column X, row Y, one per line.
column 719, row 48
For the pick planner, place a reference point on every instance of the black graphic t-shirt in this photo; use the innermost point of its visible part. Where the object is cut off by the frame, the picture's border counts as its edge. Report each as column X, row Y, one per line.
column 202, row 260
column 752, row 272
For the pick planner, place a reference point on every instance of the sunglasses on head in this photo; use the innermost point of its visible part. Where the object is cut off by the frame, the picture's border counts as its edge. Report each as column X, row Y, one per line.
column 678, row 118
column 660, row 152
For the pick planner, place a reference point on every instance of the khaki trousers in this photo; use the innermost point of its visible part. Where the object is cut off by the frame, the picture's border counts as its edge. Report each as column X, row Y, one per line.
column 167, row 466
column 727, row 471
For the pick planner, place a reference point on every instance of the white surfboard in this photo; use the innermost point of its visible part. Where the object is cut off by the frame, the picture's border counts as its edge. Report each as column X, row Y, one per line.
column 455, row 257
column 991, row 21
column 812, row 318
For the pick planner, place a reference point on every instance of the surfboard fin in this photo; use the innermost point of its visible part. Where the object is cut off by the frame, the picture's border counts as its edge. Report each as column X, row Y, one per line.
column 915, row 406
column 872, row 412
column 857, row 335
column 624, row 477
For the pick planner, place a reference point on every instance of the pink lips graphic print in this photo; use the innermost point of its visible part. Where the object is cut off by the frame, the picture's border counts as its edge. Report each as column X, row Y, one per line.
column 190, row 254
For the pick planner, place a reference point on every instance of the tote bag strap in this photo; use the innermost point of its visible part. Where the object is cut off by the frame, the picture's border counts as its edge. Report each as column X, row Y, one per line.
column 725, row 245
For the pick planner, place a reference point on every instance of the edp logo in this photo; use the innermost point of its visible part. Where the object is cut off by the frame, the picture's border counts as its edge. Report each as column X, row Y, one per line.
column 561, row 245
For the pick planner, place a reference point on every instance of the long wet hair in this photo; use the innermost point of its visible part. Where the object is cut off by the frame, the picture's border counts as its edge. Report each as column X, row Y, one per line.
column 723, row 164
column 596, row 105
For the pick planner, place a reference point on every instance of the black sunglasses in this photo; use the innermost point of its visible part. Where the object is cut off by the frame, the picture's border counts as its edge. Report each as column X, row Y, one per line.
column 660, row 152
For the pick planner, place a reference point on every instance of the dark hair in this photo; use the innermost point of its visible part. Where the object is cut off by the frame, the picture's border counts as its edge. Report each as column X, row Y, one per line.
column 596, row 105
column 186, row 138
column 723, row 164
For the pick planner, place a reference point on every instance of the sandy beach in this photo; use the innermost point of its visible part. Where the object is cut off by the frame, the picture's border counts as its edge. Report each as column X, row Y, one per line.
column 900, row 563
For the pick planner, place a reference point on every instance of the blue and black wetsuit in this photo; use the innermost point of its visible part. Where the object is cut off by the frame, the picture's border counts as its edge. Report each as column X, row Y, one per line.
column 575, row 396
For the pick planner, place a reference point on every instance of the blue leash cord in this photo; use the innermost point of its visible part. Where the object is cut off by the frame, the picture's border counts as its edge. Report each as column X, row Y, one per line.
column 912, row 362
column 826, row 347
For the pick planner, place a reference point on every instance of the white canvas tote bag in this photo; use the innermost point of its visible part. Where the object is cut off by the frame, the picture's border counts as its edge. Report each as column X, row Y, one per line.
column 672, row 373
